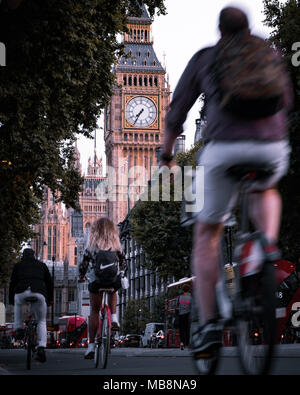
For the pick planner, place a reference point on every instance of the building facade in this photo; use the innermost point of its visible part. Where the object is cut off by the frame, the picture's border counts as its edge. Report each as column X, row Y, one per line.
column 135, row 118
column 133, row 133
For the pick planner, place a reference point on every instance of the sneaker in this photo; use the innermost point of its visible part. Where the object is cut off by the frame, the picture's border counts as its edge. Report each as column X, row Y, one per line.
column 40, row 354
column 90, row 352
column 181, row 346
column 206, row 337
column 20, row 333
column 114, row 322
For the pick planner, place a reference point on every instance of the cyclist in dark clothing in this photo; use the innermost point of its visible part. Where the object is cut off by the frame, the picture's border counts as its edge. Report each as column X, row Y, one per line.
column 31, row 277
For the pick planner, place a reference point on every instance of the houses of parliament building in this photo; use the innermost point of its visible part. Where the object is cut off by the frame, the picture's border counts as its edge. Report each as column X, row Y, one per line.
column 133, row 132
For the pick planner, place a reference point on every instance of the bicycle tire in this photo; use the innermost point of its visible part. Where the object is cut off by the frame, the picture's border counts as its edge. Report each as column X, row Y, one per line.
column 256, row 358
column 96, row 355
column 207, row 366
column 29, row 347
column 105, row 340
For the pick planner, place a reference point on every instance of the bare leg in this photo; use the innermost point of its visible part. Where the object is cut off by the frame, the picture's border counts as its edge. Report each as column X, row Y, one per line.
column 95, row 300
column 265, row 211
column 206, row 255
column 113, row 302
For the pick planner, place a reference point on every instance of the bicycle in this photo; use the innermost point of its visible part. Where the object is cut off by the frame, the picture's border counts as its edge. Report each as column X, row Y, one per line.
column 30, row 335
column 246, row 298
column 102, row 340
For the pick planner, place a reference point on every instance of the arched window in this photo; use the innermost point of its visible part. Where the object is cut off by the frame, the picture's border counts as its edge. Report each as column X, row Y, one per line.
column 155, row 81
column 140, row 81
column 130, row 81
column 145, row 81
column 54, row 241
column 135, row 81
column 49, row 242
column 124, row 80
column 150, row 81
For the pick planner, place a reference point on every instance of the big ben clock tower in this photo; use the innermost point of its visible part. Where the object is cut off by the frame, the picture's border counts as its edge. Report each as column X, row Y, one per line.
column 134, row 120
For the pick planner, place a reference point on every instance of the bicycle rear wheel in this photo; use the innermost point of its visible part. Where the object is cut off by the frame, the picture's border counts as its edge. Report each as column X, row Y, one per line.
column 256, row 324
column 29, row 340
column 105, row 340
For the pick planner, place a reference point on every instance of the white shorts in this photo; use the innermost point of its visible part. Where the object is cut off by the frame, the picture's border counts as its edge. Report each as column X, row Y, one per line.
column 39, row 311
column 220, row 190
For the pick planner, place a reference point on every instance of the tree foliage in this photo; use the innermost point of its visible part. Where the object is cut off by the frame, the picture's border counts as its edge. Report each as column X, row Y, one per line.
column 283, row 18
column 136, row 316
column 58, row 76
column 155, row 226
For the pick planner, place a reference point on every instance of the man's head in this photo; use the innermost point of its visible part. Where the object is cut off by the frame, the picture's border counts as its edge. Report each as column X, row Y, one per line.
column 232, row 21
column 186, row 288
column 28, row 253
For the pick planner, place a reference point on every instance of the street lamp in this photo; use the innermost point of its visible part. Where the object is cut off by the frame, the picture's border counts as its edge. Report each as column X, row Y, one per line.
column 138, row 314
column 53, row 279
column 52, row 309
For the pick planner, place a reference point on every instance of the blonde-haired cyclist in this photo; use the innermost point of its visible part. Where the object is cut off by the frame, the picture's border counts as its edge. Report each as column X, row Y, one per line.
column 104, row 243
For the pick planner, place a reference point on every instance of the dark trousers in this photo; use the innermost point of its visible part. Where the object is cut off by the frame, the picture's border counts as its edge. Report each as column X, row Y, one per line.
column 184, row 328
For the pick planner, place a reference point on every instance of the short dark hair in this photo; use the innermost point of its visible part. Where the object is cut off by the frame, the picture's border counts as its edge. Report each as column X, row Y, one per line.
column 233, row 20
column 28, row 253
column 186, row 288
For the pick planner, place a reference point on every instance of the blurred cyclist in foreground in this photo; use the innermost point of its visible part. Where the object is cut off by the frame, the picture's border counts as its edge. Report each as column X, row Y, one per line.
column 243, row 127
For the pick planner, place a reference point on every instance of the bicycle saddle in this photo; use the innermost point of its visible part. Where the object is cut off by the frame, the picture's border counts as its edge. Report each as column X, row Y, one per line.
column 108, row 290
column 31, row 299
column 249, row 171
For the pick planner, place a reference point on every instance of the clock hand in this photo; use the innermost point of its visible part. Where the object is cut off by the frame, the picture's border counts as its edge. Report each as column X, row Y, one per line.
column 137, row 116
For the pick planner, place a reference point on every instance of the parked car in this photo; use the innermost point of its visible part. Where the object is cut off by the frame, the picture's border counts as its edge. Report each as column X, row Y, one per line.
column 151, row 329
column 84, row 342
column 158, row 339
column 132, row 341
column 121, row 341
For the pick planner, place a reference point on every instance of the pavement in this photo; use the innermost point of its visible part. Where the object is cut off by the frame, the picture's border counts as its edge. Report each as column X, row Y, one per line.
column 282, row 350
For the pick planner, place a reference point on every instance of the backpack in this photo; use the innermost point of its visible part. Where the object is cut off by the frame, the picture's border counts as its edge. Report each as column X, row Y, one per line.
column 249, row 77
column 106, row 267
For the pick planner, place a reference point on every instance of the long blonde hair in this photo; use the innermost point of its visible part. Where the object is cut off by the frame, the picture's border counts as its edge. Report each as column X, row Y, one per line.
column 104, row 236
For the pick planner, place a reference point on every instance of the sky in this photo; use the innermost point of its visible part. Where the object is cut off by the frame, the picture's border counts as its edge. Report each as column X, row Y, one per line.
column 189, row 26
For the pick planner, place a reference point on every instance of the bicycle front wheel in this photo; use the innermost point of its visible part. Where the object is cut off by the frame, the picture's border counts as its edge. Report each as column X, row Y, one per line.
column 105, row 340
column 206, row 363
column 257, row 323
column 97, row 354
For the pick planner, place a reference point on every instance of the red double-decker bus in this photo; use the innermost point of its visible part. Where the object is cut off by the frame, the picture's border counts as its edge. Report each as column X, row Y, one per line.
column 72, row 329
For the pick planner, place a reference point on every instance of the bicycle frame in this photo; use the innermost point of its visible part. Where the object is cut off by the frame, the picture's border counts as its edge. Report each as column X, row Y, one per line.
column 30, row 333
column 104, row 330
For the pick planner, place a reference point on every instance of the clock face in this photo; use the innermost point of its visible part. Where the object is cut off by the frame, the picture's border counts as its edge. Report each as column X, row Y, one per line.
column 141, row 111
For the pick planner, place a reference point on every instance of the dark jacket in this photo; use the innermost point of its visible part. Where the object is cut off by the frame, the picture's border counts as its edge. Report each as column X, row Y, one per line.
column 30, row 272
